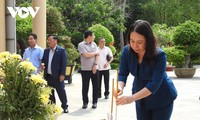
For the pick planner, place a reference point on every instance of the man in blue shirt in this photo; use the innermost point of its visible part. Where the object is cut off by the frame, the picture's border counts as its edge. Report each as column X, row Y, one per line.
column 34, row 52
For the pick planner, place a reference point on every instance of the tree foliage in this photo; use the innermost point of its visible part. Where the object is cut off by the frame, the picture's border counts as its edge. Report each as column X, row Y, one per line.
column 134, row 11
column 23, row 25
column 187, row 35
column 102, row 31
column 54, row 20
column 72, row 53
column 170, row 12
column 19, row 2
column 163, row 34
column 175, row 57
column 79, row 15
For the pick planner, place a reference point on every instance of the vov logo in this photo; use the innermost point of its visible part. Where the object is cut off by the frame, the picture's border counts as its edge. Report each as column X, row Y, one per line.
column 23, row 12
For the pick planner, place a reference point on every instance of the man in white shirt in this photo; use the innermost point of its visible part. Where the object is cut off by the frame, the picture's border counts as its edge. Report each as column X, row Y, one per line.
column 105, row 58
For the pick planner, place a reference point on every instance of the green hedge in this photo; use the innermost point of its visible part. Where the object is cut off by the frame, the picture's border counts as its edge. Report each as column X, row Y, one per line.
column 175, row 57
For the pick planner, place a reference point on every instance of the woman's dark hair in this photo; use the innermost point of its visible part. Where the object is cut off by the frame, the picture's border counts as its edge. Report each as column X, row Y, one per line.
column 144, row 28
column 88, row 33
column 22, row 45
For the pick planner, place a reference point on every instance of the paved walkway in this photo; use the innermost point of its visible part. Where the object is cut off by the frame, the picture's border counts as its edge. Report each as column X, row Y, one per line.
column 186, row 106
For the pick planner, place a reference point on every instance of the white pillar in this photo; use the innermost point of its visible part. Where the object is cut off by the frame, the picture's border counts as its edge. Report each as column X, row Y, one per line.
column 39, row 22
column 2, row 28
column 10, row 28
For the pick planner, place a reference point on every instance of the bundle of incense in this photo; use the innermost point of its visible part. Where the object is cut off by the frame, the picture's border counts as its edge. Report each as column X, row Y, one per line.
column 111, row 110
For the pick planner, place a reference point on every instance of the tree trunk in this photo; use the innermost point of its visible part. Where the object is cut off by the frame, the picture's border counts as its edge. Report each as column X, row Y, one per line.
column 121, row 39
column 121, row 31
column 187, row 61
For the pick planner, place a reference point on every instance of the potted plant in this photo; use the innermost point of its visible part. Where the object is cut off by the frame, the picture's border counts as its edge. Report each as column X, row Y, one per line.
column 163, row 34
column 175, row 57
column 72, row 55
column 23, row 95
column 187, row 37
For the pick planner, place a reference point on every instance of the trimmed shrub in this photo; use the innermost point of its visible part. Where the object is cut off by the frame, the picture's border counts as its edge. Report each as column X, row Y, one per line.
column 187, row 35
column 175, row 57
column 101, row 31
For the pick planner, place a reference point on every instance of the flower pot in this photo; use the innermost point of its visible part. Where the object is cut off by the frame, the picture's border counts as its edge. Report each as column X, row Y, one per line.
column 169, row 68
column 69, row 72
column 184, row 72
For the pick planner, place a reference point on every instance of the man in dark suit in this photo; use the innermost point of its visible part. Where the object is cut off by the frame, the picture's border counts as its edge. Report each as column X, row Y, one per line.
column 55, row 61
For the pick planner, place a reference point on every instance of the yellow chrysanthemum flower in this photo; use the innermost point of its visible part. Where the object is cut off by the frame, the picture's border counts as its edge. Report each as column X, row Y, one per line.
column 13, row 70
column 58, row 110
column 1, row 86
column 3, row 60
column 16, row 56
column 2, row 74
column 4, row 54
column 38, row 79
column 28, row 66
column 45, row 98
column 46, row 90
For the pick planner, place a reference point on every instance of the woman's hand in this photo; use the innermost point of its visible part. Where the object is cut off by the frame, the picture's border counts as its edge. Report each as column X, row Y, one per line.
column 136, row 96
column 118, row 92
column 124, row 100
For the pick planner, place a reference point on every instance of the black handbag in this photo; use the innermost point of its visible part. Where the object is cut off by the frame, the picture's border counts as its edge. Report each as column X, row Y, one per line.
column 108, row 57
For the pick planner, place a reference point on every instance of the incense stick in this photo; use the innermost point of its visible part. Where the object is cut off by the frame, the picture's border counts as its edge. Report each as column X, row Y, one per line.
column 116, row 95
column 117, row 85
column 112, row 96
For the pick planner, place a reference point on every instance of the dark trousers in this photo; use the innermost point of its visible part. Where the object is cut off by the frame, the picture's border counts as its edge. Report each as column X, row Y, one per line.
column 60, row 88
column 106, row 75
column 162, row 113
column 86, row 76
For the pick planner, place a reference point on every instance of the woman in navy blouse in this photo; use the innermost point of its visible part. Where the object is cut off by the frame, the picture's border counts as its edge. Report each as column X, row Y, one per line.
column 153, row 91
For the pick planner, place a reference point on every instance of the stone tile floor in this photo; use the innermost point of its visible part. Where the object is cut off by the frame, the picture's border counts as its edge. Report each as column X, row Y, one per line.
column 186, row 106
